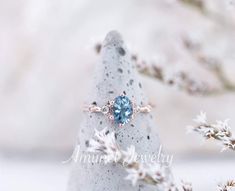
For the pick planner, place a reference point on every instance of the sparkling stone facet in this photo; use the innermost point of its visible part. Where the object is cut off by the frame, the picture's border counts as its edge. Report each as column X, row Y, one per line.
column 122, row 109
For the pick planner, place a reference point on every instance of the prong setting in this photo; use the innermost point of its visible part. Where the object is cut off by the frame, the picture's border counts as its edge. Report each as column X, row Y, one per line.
column 105, row 109
column 111, row 117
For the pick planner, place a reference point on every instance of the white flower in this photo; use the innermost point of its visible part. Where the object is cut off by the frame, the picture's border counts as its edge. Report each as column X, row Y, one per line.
column 97, row 143
column 112, row 151
column 228, row 143
column 130, row 155
column 100, row 135
column 136, row 174
column 229, row 185
column 220, row 131
column 104, row 142
column 223, row 128
column 208, row 132
column 157, row 172
column 201, row 118
column 171, row 187
column 223, row 124
column 187, row 186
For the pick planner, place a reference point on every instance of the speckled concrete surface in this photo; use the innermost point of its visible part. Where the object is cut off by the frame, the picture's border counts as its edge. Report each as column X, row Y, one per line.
column 115, row 74
column 47, row 60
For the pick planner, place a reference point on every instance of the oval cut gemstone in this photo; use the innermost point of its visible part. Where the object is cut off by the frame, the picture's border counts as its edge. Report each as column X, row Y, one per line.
column 122, row 109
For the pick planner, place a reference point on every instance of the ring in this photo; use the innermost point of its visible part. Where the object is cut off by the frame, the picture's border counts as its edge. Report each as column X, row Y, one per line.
column 120, row 110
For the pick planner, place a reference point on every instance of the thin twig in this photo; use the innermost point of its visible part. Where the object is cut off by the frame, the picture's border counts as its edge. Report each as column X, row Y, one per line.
column 181, row 79
column 213, row 65
column 216, row 17
column 198, row 4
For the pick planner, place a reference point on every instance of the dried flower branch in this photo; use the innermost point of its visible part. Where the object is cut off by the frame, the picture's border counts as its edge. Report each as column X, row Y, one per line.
column 228, row 186
column 198, row 4
column 220, row 131
column 104, row 143
column 213, row 65
column 187, row 186
column 215, row 16
column 182, row 80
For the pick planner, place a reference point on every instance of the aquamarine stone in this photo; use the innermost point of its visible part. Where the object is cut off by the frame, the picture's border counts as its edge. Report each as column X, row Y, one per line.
column 122, row 109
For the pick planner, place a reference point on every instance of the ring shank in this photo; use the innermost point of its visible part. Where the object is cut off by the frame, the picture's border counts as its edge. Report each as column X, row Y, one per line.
column 96, row 109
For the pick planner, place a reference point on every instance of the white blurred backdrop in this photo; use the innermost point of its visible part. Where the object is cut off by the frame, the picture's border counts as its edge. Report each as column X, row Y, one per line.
column 47, row 59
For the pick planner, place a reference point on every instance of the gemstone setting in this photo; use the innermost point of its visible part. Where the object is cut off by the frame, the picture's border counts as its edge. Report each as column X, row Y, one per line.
column 122, row 109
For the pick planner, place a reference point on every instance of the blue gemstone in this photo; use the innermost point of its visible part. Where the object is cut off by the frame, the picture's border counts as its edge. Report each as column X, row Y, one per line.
column 122, row 109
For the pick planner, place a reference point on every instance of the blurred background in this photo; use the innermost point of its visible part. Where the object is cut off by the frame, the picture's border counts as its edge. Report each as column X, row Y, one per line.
column 47, row 58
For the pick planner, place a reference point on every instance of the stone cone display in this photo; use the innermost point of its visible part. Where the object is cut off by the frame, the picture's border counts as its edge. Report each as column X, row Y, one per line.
column 115, row 74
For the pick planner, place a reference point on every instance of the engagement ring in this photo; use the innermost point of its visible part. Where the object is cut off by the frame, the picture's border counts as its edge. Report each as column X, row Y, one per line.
column 120, row 110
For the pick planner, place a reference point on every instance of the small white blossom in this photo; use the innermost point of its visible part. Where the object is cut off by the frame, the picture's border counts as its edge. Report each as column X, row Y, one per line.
column 171, row 187
column 105, row 143
column 223, row 124
column 208, row 132
column 157, row 172
column 229, row 185
column 187, row 186
column 220, row 131
column 201, row 118
column 224, row 128
column 136, row 174
column 228, row 144
column 130, row 155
